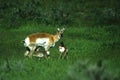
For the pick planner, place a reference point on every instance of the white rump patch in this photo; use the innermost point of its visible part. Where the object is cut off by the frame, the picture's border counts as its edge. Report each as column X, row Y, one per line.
column 27, row 41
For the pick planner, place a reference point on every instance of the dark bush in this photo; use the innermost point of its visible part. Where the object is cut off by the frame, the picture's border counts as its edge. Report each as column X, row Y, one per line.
column 61, row 12
column 86, row 71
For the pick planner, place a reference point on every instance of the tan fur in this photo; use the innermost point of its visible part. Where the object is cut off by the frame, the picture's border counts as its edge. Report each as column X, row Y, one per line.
column 52, row 38
column 55, row 37
column 34, row 36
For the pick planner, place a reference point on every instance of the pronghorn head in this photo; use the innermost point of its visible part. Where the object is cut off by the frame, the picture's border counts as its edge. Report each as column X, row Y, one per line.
column 60, row 31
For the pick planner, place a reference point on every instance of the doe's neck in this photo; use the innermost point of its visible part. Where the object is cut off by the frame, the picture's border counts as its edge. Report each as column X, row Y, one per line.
column 56, row 37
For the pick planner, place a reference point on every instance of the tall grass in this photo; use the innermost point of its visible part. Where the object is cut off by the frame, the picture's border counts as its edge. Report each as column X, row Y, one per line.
column 84, row 43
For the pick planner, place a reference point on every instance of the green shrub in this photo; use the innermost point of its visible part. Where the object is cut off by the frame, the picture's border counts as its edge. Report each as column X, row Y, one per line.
column 61, row 12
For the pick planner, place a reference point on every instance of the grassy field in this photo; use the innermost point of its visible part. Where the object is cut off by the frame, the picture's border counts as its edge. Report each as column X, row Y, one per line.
column 84, row 43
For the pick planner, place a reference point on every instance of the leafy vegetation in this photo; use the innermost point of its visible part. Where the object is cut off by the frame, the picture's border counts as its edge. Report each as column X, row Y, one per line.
column 60, row 12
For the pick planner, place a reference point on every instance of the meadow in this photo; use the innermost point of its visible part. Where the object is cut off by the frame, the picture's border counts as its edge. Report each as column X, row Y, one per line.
column 92, row 36
column 84, row 43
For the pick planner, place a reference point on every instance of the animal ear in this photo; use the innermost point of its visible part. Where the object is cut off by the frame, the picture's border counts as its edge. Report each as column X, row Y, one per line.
column 58, row 29
column 23, row 41
column 63, row 29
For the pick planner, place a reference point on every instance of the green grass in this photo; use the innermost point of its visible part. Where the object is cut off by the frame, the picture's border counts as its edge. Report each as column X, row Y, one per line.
column 84, row 43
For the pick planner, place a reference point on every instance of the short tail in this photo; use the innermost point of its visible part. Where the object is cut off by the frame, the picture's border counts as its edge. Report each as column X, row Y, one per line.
column 23, row 41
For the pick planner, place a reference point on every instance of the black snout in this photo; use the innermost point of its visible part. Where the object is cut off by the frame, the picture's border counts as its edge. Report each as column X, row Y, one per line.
column 61, row 35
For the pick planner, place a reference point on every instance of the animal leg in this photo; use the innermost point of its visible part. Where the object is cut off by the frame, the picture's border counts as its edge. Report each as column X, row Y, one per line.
column 27, row 51
column 47, row 53
column 32, row 50
column 60, row 55
column 66, row 55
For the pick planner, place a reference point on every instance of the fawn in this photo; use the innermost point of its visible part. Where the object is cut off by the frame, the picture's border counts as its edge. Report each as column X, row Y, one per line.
column 63, row 51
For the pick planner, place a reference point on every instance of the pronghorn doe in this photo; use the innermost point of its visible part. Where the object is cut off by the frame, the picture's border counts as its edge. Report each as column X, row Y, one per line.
column 63, row 51
column 44, row 40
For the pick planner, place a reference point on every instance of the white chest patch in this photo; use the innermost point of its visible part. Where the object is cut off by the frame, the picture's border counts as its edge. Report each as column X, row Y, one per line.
column 61, row 49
